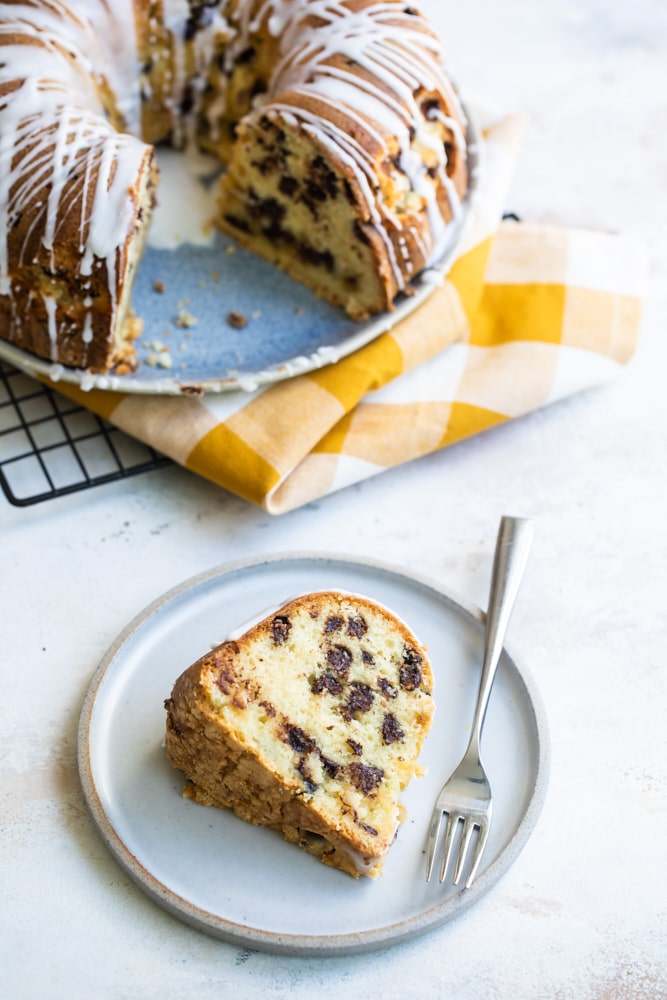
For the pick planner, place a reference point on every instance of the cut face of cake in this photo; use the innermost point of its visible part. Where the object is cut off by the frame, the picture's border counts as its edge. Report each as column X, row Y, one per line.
column 310, row 722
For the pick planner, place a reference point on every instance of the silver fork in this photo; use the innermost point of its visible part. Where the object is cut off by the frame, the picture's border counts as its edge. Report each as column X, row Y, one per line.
column 466, row 797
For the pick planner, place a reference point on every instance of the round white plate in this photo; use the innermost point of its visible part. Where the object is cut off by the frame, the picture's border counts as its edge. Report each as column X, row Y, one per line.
column 290, row 331
column 245, row 884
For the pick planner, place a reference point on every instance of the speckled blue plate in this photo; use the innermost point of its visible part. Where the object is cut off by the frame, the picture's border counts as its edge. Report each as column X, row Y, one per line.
column 289, row 330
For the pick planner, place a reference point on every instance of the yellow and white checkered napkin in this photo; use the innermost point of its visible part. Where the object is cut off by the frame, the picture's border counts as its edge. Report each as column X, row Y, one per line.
column 527, row 315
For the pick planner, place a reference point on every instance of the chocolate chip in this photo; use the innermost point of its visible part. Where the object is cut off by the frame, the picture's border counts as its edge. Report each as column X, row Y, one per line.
column 367, row 657
column 315, row 191
column 309, row 783
column 332, row 624
column 410, row 675
column 237, row 223
column 272, row 209
column 357, row 627
column 245, row 57
column 319, row 258
column 387, row 687
column 360, row 700
column 300, row 741
column 331, row 768
column 430, row 108
column 365, row 777
column 280, row 629
column 277, row 234
column 355, row 747
column 369, row 829
column 326, row 682
column 340, row 658
column 391, row 730
column 288, row 185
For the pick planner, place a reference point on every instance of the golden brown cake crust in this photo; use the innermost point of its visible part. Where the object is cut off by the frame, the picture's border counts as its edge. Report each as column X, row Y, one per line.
column 311, row 723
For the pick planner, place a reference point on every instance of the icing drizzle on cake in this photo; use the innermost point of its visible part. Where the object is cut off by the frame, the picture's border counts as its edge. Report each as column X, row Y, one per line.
column 357, row 77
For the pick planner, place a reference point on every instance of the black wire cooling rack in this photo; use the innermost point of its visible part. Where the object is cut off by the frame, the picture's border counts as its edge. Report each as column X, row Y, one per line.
column 50, row 446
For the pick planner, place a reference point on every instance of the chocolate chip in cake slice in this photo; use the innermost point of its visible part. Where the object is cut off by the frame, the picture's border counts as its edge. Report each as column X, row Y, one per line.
column 365, row 777
column 339, row 659
column 309, row 783
column 410, row 674
column 326, row 682
column 280, row 629
column 387, row 687
column 332, row 624
column 391, row 729
column 360, row 700
column 357, row 626
column 300, row 741
column 331, row 768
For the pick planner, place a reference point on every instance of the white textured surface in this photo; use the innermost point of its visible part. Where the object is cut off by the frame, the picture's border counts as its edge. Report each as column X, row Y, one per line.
column 582, row 914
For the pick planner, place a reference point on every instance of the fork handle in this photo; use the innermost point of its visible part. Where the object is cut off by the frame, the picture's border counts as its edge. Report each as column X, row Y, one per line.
column 515, row 536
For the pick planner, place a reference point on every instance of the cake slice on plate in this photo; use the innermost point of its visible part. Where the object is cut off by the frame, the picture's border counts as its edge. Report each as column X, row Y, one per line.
column 311, row 722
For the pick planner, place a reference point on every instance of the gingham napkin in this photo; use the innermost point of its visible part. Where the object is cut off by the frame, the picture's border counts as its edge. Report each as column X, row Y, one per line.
column 528, row 314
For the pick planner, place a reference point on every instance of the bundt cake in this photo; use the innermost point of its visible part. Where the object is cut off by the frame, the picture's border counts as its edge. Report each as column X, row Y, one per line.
column 310, row 722
column 342, row 138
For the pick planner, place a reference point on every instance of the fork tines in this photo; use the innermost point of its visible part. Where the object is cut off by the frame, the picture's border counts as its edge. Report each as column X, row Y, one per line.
column 469, row 827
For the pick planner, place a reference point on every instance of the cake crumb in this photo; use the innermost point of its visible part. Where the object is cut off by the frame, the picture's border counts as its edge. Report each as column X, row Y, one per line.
column 237, row 320
column 256, row 314
column 185, row 319
column 159, row 359
column 230, row 249
column 298, row 311
column 158, row 286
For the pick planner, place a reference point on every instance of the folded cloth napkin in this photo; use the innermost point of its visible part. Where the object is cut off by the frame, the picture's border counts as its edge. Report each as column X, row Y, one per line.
column 527, row 314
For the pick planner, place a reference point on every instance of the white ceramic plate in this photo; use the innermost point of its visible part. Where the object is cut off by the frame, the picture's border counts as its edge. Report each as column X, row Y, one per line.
column 244, row 884
column 290, row 331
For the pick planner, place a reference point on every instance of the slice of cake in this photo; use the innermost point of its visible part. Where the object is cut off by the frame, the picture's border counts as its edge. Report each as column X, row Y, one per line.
column 310, row 722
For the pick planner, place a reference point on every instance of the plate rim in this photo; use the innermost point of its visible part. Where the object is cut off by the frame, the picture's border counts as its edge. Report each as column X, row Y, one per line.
column 424, row 285
column 305, row 945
